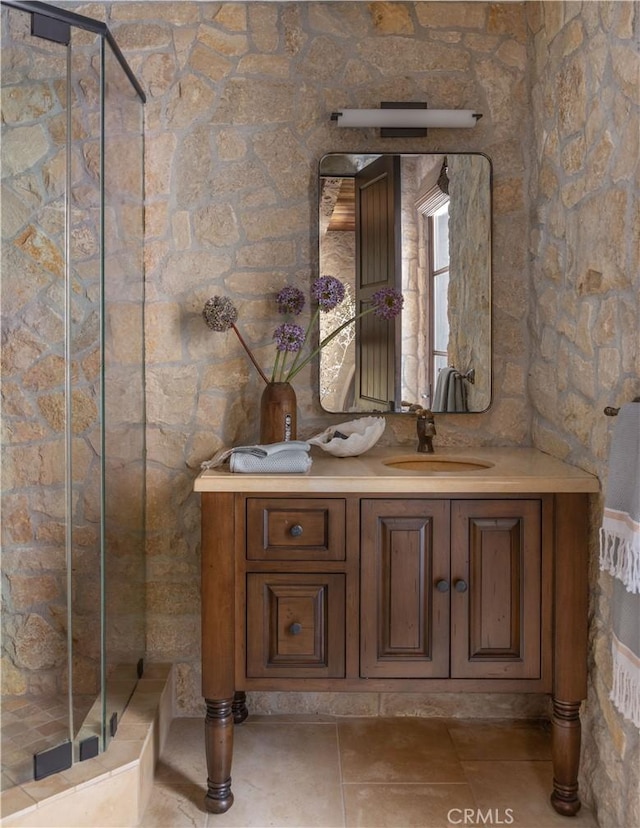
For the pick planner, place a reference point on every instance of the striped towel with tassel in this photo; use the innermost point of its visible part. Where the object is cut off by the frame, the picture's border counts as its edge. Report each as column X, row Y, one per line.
column 620, row 556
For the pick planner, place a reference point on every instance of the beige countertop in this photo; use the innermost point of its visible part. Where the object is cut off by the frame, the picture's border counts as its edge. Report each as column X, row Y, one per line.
column 518, row 470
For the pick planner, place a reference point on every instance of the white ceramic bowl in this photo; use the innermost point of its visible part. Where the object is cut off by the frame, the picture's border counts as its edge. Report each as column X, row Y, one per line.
column 361, row 435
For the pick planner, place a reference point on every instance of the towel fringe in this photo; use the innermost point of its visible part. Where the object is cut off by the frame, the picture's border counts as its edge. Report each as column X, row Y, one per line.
column 621, row 558
column 625, row 692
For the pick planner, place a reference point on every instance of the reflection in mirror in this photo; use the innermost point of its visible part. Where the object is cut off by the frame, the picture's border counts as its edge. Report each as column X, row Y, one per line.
column 420, row 223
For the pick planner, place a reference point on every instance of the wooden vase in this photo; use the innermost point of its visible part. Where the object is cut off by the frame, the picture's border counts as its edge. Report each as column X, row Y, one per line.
column 278, row 413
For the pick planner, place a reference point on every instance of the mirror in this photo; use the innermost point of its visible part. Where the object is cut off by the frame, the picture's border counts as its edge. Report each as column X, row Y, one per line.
column 420, row 223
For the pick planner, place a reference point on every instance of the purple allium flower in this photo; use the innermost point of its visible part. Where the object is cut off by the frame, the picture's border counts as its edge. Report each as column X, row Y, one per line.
column 290, row 300
column 388, row 303
column 328, row 292
column 289, row 337
column 219, row 313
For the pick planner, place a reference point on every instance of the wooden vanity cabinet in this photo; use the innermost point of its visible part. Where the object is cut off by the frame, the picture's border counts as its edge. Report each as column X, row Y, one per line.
column 388, row 593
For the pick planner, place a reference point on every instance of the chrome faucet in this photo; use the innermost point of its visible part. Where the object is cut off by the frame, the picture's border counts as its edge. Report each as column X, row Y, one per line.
column 426, row 426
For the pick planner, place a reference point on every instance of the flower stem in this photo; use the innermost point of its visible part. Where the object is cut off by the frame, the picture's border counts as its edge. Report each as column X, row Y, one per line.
column 283, row 363
column 276, row 363
column 326, row 341
column 310, row 327
column 251, row 356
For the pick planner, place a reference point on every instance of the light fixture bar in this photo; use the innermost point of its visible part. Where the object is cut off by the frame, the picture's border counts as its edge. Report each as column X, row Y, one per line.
column 406, row 118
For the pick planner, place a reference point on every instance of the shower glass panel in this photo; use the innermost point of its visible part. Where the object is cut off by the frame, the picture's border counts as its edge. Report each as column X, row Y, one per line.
column 85, row 366
column 72, row 389
column 124, row 410
column 36, row 707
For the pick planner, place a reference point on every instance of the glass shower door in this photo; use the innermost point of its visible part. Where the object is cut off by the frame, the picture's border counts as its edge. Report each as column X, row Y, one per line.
column 85, row 366
column 36, row 657
column 72, row 391
column 123, row 398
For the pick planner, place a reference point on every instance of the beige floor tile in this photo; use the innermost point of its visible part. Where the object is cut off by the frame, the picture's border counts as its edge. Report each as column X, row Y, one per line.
column 501, row 740
column 523, row 787
column 175, row 806
column 398, row 750
column 284, row 775
column 409, row 806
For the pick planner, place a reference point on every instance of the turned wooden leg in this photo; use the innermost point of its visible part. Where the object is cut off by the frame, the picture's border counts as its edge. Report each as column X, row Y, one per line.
column 566, row 756
column 240, row 712
column 218, row 731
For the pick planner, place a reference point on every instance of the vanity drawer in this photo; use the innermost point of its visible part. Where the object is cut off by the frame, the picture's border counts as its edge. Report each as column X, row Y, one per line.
column 296, row 625
column 281, row 529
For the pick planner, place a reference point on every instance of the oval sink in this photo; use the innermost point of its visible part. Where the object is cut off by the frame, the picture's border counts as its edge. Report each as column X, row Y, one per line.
column 430, row 463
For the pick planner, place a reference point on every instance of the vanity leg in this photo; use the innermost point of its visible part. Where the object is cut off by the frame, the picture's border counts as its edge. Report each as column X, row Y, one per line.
column 570, row 646
column 219, row 749
column 240, row 712
column 566, row 756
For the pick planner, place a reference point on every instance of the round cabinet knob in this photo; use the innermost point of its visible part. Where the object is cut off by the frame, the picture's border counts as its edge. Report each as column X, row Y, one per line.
column 295, row 531
column 295, row 628
column 461, row 586
column 442, row 586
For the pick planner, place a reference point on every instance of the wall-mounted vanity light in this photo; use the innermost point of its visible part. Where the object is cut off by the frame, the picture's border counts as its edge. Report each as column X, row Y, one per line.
column 399, row 120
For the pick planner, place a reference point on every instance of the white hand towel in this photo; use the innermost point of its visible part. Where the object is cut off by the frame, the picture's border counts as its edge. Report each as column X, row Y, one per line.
column 281, row 462
column 266, row 450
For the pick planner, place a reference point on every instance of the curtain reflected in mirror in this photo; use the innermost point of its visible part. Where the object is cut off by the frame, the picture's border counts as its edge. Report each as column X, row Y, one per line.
column 420, row 223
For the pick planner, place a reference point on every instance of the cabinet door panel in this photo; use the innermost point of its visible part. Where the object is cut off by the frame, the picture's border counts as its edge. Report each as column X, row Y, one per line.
column 295, row 625
column 495, row 598
column 405, row 618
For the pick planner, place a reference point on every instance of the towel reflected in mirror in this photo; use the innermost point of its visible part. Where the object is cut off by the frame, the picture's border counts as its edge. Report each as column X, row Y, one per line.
column 451, row 392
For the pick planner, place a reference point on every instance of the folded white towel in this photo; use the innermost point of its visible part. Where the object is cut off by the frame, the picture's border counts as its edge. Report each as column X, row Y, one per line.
column 282, row 462
column 259, row 452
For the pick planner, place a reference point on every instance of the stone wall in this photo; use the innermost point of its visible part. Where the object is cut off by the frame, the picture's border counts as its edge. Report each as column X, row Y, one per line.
column 236, row 122
column 585, row 316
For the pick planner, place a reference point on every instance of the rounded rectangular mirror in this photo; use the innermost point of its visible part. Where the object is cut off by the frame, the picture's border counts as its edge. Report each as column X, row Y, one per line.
column 420, row 223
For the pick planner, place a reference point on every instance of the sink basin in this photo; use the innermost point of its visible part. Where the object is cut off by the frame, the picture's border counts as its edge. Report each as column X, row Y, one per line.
column 431, row 463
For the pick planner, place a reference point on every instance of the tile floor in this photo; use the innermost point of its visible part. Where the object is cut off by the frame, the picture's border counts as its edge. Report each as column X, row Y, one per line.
column 366, row 772
column 31, row 724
